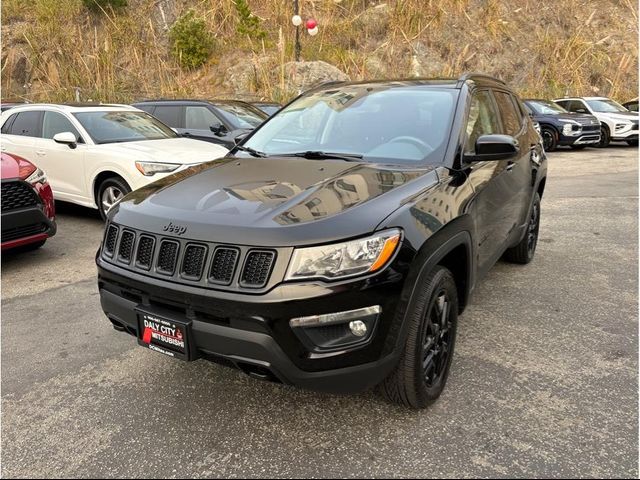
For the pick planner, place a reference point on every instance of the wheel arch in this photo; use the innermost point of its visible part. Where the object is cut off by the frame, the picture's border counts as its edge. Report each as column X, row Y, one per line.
column 101, row 177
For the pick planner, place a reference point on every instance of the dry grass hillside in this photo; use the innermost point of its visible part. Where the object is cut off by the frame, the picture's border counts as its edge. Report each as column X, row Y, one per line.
column 544, row 48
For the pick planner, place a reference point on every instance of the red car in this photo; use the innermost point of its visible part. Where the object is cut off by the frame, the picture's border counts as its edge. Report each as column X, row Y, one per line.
column 28, row 210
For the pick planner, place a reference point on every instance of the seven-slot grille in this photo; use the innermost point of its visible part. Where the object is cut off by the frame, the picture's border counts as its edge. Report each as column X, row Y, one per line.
column 126, row 246
column 257, row 268
column 223, row 265
column 189, row 261
column 193, row 261
column 167, row 257
column 110, row 240
column 17, row 195
column 144, row 254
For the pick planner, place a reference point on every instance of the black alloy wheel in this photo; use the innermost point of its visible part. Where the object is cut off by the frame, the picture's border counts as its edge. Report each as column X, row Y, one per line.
column 605, row 137
column 549, row 139
column 524, row 251
column 423, row 368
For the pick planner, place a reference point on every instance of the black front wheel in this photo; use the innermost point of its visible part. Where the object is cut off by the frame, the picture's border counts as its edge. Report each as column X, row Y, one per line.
column 423, row 369
column 524, row 251
column 605, row 137
column 549, row 139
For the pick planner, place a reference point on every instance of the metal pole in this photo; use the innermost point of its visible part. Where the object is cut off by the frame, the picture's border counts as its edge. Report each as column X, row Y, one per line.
column 296, row 11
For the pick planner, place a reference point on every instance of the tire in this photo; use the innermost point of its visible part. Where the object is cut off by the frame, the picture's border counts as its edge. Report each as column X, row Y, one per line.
column 410, row 384
column 605, row 137
column 524, row 251
column 578, row 147
column 112, row 185
column 549, row 139
column 632, row 143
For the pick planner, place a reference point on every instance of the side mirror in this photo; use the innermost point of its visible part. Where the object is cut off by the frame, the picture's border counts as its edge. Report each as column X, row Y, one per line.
column 494, row 147
column 218, row 129
column 66, row 138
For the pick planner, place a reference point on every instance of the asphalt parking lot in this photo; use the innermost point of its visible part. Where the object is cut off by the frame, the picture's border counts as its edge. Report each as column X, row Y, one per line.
column 544, row 382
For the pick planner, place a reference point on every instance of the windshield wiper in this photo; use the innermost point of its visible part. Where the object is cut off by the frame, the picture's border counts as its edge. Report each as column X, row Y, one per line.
column 251, row 151
column 319, row 155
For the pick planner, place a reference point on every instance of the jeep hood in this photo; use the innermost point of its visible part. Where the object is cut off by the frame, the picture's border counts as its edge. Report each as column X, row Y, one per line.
column 273, row 201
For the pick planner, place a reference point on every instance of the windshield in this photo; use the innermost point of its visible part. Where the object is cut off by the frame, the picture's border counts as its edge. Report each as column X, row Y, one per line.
column 606, row 106
column 123, row 126
column 545, row 108
column 407, row 125
column 241, row 116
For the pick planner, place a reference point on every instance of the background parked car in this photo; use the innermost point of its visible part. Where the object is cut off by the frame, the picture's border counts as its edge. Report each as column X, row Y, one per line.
column 267, row 107
column 28, row 210
column 616, row 122
column 214, row 121
column 559, row 127
column 95, row 154
column 7, row 104
column 631, row 105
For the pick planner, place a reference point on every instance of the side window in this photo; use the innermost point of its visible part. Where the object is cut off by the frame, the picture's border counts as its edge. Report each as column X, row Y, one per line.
column 55, row 123
column 27, row 124
column 6, row 126
column 483, row 119
column 200, row 118
column 576, row 105
column 169, row 115
column 510, row 116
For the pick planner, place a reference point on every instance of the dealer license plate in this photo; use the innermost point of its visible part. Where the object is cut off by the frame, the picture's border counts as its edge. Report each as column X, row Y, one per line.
column 163, row 335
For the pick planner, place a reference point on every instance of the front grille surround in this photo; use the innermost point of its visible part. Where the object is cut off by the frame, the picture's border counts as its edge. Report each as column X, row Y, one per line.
column 218, row 267
column 145, row 251
column 193, row 261
column 257, row 268
column 167, row 257
column 224, row 264
column 126, row 246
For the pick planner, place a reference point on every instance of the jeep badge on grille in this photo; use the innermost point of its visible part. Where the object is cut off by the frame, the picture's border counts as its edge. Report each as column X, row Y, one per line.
column 177, row 229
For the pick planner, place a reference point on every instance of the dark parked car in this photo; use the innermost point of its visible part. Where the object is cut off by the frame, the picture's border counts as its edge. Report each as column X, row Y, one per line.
column 267, row 107
column 217, row 121
column 28, row 210
column 559, row 127
column 336, row 246
column 631, row 105
column 7, row 104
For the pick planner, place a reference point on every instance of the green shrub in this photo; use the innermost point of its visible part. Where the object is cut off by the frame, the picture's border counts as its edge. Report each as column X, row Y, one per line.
column 106, row 5
column 191, row 41
column 248, row 24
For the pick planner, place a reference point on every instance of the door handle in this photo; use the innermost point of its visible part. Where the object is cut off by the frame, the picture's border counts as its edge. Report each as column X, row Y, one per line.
column 40, row 152
column 510, row 166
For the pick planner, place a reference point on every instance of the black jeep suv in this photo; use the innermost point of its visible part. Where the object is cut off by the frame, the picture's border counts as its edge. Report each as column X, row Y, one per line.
column 560, row 127
column 336, row 246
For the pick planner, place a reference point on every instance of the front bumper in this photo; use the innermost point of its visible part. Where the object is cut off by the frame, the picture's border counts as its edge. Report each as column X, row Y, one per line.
column 24, row 226
column 629, row 132
column 252, row 332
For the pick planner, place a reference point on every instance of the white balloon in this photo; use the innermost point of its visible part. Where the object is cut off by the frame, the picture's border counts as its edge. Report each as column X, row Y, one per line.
column 296, row 20
column 313, row 31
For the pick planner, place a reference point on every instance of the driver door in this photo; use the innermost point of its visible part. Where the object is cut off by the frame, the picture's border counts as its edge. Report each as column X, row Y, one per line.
column 199, row 120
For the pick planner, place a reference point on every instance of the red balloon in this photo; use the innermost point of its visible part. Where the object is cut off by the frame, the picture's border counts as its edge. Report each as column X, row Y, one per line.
column 311, row 24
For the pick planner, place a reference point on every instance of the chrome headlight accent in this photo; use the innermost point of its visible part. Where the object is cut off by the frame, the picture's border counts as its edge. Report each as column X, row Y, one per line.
column 344, row 259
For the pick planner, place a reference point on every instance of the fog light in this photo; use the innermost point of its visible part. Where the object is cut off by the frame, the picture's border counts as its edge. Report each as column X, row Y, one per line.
column 358, row 328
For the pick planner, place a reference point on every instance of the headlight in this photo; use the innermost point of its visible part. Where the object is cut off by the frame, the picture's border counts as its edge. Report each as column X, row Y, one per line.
column 346, row 259
column 571, row 129
column 37, row 176
column 151, row 168
column 622, row 126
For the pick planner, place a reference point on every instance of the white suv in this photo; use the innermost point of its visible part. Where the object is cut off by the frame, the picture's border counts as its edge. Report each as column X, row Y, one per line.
column 95, row 154
column 618, row 123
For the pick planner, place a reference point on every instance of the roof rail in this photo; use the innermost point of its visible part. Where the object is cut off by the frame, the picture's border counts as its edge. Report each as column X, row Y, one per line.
column 471, row 75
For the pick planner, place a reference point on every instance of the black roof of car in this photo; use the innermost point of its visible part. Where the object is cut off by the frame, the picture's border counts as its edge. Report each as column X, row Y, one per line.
column 191, row 100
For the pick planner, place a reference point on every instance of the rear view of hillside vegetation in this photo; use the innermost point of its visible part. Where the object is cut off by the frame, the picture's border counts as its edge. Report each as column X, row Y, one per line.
column 123, row 50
